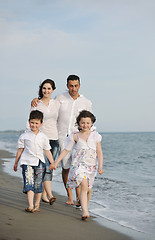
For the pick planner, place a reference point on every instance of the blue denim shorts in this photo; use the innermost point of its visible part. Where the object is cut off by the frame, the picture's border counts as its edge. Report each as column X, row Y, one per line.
column 33, row 177
column 54, row 150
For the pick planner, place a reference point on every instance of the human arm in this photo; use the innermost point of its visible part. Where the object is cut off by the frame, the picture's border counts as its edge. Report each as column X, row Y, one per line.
column 100, row 157
column 69, row 143
column 50, row 158
column 34, row 102
column 18, row 155
column 61, row 156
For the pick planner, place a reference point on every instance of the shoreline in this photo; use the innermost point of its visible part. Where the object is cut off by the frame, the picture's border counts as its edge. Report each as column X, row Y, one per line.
column 59, row 220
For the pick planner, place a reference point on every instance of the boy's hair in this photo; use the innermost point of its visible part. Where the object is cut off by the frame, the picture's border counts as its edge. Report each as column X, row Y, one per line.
column 72, row 78
column 85, row 114
column 36, row 115
column 42, row 84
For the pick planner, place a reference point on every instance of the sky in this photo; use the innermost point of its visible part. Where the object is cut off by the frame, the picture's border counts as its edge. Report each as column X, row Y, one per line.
column 109, row 44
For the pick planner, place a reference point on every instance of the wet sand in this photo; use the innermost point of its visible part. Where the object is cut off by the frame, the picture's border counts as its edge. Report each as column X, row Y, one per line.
column 55, row 222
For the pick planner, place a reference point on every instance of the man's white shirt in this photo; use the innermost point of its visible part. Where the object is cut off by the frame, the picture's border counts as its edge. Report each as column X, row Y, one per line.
column 69, row 109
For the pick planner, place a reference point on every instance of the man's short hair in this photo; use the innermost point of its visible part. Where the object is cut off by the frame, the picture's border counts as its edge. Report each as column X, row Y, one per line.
column 36, row 115
column 72, row 78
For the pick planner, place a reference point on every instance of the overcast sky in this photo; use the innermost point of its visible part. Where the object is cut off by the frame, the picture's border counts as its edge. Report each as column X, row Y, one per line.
column 110, row 44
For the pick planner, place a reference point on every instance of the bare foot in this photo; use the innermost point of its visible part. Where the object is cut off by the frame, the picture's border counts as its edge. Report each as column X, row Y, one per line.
column 69, row 202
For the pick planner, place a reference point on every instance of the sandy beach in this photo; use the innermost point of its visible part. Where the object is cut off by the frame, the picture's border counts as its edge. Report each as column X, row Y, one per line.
column 58, row 221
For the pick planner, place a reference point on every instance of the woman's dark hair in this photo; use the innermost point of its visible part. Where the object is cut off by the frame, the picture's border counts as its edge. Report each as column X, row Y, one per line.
column 41, row 86
column 36, row 114
column 85, row 114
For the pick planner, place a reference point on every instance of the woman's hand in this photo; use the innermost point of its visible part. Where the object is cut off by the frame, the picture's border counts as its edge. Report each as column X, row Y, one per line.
column 15, row 167
column 35, row 102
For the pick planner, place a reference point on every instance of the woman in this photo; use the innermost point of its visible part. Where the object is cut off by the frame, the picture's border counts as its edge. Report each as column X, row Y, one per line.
column 49, row 109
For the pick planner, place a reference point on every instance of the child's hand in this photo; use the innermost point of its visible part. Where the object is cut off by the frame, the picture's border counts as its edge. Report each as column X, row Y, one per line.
column 53, row 166
column 15, row 167
column 100, row 171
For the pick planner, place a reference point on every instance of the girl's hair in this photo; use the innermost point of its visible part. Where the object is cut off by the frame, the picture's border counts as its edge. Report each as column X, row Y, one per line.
column 42, row 84
column 85, row 114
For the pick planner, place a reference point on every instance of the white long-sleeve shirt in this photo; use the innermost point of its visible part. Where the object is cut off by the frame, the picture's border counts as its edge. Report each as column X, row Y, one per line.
column 50, row 113
column 68, row 111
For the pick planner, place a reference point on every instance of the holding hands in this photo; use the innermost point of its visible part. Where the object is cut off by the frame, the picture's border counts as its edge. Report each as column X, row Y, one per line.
column 53, row 166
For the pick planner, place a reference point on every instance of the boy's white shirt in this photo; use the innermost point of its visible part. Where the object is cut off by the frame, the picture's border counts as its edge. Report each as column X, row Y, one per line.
column 34, row 146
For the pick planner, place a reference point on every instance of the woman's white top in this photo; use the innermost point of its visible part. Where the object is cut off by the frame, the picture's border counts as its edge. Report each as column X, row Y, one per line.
column 34, row 146
column 50, row 113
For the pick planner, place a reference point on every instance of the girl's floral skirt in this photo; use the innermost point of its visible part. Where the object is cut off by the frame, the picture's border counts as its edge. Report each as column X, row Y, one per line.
column 80, row 171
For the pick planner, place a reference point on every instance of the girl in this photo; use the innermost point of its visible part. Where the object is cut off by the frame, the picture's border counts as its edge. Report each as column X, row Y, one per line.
column 87, row 148
column 49, row 109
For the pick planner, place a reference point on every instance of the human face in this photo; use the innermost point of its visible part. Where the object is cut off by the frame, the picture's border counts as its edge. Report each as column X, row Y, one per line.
column 73, row 87
column 47, row 90
column 85, row 124
column 35, row 124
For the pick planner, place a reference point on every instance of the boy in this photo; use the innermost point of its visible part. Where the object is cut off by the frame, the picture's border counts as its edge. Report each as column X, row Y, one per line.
column 31, row 146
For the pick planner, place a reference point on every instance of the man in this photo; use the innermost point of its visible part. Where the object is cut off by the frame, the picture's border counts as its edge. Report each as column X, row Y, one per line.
column 70, row 104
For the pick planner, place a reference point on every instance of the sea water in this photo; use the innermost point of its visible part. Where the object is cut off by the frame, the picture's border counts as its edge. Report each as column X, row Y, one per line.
column 125, row 193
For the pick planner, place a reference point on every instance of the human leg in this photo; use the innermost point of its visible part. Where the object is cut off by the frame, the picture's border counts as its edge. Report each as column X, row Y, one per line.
column 66, row 163
column 37, row 202
column 47, row 190
column 89, row 195
column 47, row 182
column 83, row 197
column 77, row 190
column 30, row 198
column 65, row 173
column 39, row 172
column 54, row 150
column 28, row 178
column 47, row 194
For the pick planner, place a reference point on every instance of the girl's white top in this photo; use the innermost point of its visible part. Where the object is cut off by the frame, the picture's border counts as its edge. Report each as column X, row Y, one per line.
column 91, row 142
column 50, row 112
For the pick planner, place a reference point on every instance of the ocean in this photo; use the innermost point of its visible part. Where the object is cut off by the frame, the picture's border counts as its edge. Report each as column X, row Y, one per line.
column 125, row 194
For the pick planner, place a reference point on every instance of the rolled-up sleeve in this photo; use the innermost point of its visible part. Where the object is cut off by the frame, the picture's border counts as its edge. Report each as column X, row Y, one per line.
column 69, row 142
column 98, row 137
column 47, row 145
column 21, row 142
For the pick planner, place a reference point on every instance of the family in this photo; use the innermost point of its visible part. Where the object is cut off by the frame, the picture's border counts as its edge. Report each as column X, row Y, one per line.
column 62, row 126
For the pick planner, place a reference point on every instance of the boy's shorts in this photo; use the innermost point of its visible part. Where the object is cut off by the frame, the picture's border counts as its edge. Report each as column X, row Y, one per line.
column 33, row 177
